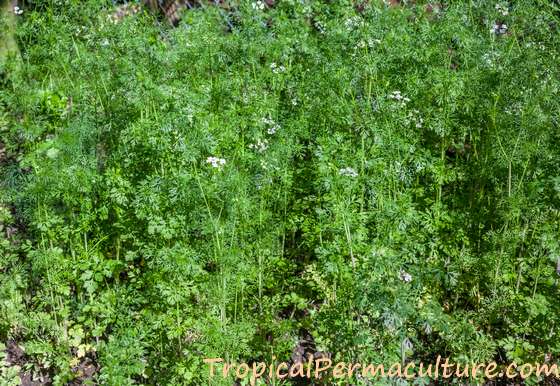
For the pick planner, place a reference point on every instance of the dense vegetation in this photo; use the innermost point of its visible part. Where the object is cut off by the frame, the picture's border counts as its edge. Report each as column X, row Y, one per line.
column 384, row 179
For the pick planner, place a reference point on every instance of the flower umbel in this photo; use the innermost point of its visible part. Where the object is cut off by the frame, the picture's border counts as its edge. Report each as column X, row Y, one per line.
column 502, row 9
column 216, row 162
column 277, row 69
column 260, row 146
column 258, row 5
column 348, row 172
column 397, row 96
column 272, row 126
column 415, row 118
column 405, row 276
column 499, row 28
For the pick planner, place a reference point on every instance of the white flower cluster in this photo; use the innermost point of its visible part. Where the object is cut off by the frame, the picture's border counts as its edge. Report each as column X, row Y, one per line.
column 490, row 59
column 405, row 276
column 370, row 43
column 399, row 98
column 502, row 9
column 258, row 5
column 396, row 95
column 260, row 145
column 402, row 172
column 272, row 126
column 419, row 166
column 415, row 118
column 514, row 108
column 352, row 23
column 348, row 172
column 266, row 165
column 320, row 27
column 277, row 69
column 216, row 162
column 539, row 45
column 499, row 28
column 18, row 10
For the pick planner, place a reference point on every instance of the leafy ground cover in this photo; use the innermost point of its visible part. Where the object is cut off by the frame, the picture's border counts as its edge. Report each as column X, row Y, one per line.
column 380, row 181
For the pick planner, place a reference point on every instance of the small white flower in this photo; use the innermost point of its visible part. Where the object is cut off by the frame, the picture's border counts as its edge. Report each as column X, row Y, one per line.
column 294, row 102
column 414, row 117
column 18, row 10
column 371, row 43
column 260, row 146
column 499, row 29
column 348, row 172
column 490, row 59
column 259, row 5
column 405, row 276
column 216, row 162
column 396, row 95
column 272, row 126
column 502, row 9
column 352, row 23
column 276, row 68
column 320, row 27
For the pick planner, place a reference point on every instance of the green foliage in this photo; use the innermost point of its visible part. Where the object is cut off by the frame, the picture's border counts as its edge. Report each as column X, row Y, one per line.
column 385, row 178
